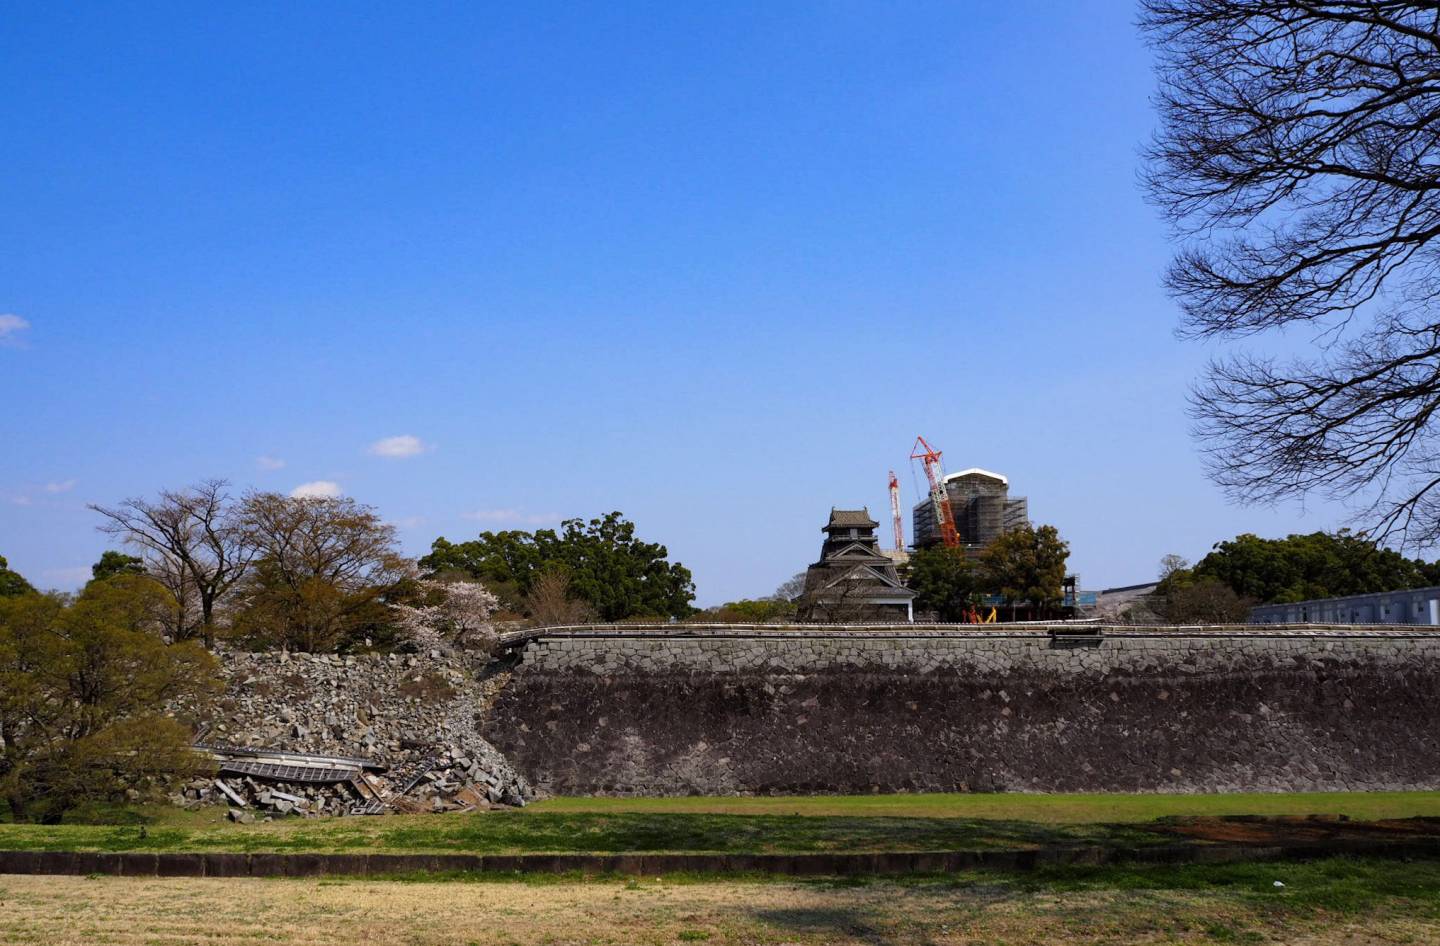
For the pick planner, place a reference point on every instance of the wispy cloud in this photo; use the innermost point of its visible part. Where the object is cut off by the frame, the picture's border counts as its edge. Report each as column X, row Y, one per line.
column 318, row 489
column 410, row 522
column 22, row 500
column 511, row 516
column 398, row 448
column 61, row 487
column 270, row 463
column 11, row 326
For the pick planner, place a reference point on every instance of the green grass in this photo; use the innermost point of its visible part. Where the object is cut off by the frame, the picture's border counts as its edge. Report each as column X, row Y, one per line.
column 554, row 832
column 1342, row 886
column 1043, row 809
column 721, row 825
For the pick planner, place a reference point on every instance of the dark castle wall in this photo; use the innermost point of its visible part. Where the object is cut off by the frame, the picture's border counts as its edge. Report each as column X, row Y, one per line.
column 660, row 714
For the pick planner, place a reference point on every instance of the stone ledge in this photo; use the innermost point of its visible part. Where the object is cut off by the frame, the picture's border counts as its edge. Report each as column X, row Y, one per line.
column 962, row 631
column 194, row 864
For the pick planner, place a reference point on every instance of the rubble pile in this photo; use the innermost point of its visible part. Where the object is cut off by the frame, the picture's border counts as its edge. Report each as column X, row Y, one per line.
column 251, row 799
column 362, row 734
column 447, row 782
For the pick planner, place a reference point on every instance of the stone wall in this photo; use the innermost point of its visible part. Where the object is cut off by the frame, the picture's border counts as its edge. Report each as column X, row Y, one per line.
column 799, row 710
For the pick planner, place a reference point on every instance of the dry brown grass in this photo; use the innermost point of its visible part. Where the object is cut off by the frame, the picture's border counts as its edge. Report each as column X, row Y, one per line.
column 72, row 911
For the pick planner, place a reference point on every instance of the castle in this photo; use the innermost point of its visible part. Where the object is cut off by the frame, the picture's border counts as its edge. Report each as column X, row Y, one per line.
column 854, row 580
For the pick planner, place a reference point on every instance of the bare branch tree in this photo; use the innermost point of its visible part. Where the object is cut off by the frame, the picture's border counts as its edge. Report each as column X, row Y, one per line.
column 192, row 544
column 1299, row 153
column 550, row 600
column 837, row 601
column 791, row 588
column 323, row 568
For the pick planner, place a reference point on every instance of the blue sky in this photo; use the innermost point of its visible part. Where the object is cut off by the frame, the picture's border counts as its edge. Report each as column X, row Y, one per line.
column 713, row 266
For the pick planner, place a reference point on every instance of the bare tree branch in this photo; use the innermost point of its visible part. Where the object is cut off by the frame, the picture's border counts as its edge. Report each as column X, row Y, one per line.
column 1299, row 153
column 192, row 544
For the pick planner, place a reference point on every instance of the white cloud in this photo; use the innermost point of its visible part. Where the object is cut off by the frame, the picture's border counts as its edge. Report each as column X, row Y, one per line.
column 410, row 522
column 11, row 326
column 398, row 448
column 511, row 516
column 270, row 463
column 22, row 500
column 63, row 487
column 319, row 489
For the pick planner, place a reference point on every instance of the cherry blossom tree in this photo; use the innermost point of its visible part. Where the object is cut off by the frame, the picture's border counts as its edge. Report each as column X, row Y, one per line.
column 458, row 615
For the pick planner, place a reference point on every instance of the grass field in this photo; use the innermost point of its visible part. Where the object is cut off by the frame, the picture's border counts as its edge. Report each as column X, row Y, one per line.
column 1325, row 903
column 1322, row 903
column 724, row 825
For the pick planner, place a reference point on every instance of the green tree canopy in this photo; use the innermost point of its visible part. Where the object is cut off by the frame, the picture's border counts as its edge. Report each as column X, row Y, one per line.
column 114, row 563
column 508, row 562
column 84, row 688
column 944, row 581
column 749, row 611
column 12, row 583
column 1027, row 565
column 1303, row 567
column 616, row 573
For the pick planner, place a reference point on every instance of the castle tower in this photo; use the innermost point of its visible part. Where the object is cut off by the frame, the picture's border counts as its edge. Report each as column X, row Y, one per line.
column 854, row 581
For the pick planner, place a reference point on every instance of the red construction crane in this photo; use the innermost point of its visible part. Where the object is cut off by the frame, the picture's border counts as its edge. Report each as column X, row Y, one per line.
column 944, row 518
column 895, row 512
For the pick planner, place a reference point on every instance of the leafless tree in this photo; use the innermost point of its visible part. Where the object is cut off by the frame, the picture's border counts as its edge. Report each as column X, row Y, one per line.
column 791, row 589
column 322, row 568
column 550, row 600
column 192, row 544
column 1171, row 564
column 1205, row 602
column 1298, row 156
column 839, row 602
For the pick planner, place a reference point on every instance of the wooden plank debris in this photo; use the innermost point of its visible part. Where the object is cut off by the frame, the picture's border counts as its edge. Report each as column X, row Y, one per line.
column 229, row 793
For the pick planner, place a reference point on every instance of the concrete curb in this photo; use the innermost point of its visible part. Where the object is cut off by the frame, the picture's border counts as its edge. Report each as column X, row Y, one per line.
column 894, row 863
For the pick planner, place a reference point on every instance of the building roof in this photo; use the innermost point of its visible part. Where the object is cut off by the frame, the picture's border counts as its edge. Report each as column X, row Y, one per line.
column 856, row 551
column 1144, row 586
column 879, row 583
column 976, row 471
column 1432, row 591
column 850, row 518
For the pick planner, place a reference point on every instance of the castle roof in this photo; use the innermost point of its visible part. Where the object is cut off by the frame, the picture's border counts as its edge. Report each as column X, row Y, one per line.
column 850, row 519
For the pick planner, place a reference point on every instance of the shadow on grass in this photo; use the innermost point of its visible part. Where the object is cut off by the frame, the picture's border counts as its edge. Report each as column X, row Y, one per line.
column 831, row 923
column 1227, row 903
column 1339, row 885
column 547, row 833
column 635, row 832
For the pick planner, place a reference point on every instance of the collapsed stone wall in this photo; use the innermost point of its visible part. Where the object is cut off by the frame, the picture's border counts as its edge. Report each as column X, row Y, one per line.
column 417, row 714
column 881, row 711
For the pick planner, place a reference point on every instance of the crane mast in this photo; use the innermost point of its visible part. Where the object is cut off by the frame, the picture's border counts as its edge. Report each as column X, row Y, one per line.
column 895, row 512
column 944, row 518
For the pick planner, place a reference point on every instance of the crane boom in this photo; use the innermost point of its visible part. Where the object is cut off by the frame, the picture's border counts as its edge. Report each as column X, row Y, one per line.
column 895, row 512
column 944, row 518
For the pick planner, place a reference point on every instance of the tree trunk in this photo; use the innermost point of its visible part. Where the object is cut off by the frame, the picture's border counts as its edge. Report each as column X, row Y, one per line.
column 207, row 614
